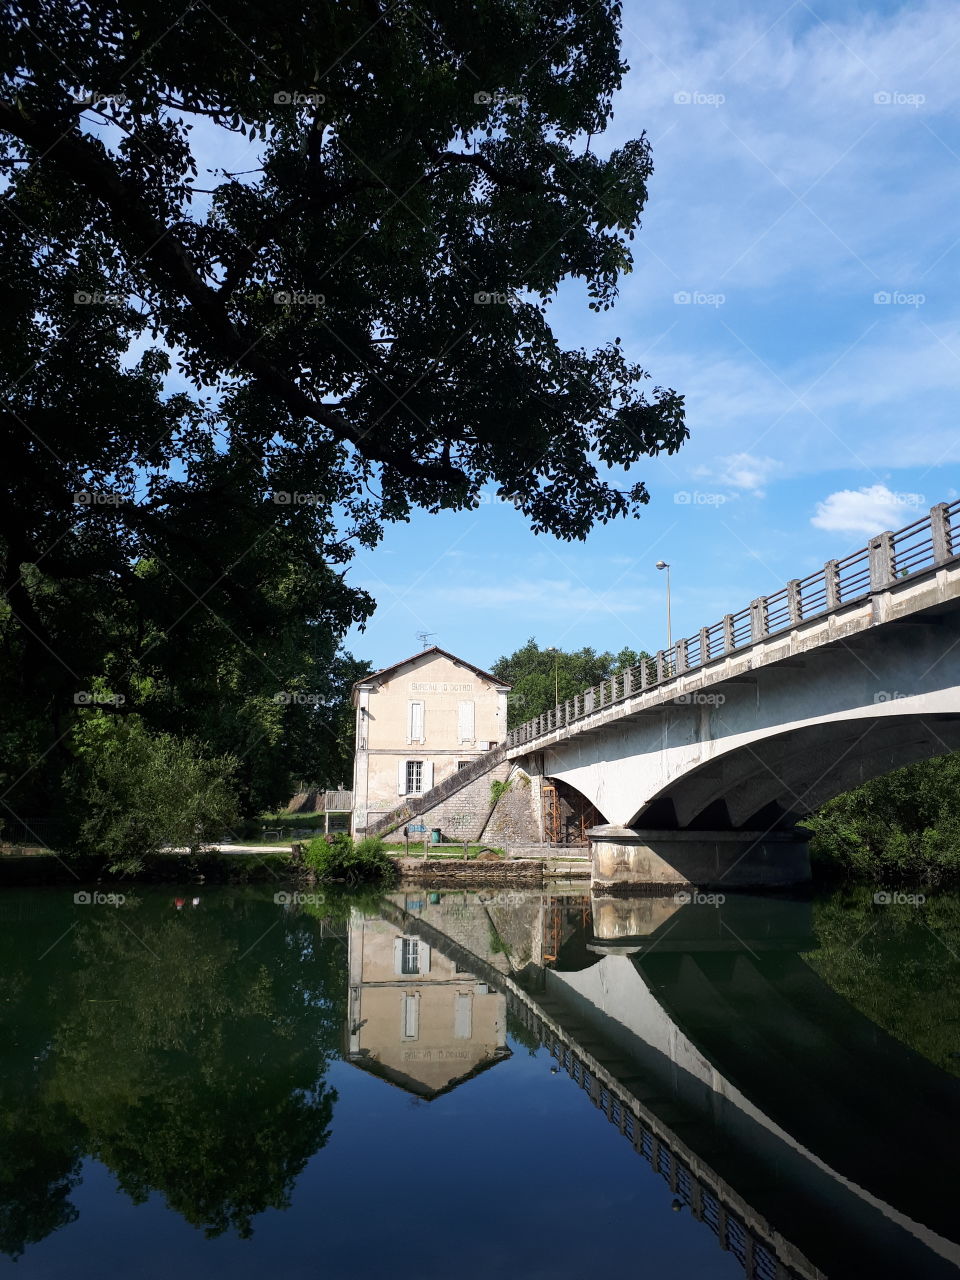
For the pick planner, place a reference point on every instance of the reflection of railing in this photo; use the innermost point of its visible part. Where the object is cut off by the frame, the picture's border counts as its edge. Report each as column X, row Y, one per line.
column 887, row 558
column 757, row 1253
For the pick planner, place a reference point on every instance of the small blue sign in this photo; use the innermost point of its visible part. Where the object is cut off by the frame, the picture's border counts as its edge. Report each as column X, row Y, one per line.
column 416, row 826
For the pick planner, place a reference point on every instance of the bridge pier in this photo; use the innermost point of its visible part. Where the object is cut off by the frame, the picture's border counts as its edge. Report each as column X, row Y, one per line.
column 634, row 857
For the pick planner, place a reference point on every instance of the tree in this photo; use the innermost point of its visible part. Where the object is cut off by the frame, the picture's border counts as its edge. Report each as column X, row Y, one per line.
column 539, row 676
column 220, row 383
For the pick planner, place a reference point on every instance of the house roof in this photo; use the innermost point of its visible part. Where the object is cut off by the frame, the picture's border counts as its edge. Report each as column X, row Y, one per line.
column 434, row 649
column 410, row 1084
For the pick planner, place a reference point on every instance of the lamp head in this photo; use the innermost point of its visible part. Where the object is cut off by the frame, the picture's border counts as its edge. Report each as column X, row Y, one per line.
column 662, row 564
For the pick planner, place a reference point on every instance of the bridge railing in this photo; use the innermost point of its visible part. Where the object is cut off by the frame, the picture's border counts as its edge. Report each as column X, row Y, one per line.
column 889, row 557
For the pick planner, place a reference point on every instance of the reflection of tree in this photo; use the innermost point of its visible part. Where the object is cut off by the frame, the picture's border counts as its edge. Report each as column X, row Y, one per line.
column 897, row 964
column 191, row 1050
column 40, row 1145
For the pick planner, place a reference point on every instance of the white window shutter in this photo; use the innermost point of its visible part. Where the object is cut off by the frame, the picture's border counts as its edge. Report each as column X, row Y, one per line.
column 463, row 1017
column 401, row 777
column 415, row 728
column 465, row 722
column 423, row 955
column 427, row 777
column 398, row 955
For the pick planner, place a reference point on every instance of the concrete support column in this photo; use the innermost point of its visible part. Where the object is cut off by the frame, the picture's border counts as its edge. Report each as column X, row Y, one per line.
column 631, row 857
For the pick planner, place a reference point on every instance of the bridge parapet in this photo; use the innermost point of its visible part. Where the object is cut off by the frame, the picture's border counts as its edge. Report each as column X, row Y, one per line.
column 889, row 558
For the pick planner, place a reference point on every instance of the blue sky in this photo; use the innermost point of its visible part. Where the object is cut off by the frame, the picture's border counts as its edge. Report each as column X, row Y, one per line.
column 807, row 159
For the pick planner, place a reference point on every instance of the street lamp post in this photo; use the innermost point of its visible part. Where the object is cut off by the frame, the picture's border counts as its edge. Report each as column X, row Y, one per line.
column 662, row 564
column 556, row 674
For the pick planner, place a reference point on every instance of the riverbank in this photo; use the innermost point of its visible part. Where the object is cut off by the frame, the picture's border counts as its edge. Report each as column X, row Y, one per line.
column 245, row 864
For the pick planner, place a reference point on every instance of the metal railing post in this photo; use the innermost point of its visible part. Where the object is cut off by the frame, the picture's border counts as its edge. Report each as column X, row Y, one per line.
column 704, row 645
column 831, row 582
column 758, row 618
column 680, row 661
column 881, row 561
column 794, row 602
column 728, row 633
column 940, row 532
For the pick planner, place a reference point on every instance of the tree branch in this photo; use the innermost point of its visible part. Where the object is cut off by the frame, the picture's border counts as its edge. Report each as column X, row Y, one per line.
column 84, row 160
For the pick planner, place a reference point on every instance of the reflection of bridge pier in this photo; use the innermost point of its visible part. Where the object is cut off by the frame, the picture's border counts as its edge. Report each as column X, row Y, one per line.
column 770, row 1106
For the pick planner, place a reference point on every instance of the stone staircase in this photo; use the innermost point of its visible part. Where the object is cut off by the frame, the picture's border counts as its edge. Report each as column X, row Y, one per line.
column 476, row 806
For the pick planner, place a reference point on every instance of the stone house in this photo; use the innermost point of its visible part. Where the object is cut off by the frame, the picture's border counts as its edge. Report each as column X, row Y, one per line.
column 416, row 1019
column 418, row 722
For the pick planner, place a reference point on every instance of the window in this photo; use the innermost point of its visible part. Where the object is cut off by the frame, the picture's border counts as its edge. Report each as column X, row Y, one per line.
column 410, row 955
column 414, row 777
column 465, row 725
column 463, row 1017
column 410, row 1017
column 415, row 722
column 462, row 764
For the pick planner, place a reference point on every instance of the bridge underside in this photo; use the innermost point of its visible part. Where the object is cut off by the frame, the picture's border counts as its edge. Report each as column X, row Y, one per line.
column 781, row 779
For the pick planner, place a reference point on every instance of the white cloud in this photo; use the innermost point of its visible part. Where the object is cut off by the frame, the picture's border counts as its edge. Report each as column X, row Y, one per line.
column 869, row 510
column 741, row 471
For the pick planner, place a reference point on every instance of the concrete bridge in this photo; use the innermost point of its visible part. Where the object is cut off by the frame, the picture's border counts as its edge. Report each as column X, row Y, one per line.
column 703, row 759
column 771, row 1107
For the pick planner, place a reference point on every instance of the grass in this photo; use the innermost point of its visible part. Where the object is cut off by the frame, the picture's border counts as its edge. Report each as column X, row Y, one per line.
column 442, row 850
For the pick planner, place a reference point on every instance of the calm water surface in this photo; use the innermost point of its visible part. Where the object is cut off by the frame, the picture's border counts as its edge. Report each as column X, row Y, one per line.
column 208, row 1082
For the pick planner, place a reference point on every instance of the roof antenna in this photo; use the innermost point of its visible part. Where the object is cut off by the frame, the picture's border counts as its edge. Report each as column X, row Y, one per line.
column 424, row 636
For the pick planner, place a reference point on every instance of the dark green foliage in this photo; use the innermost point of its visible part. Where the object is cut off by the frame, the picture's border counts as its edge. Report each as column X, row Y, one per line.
column 901, row 827
column 497, row 790
column 538, row 675
column 185, row 1050
column 355, row 861
column 135, row 792
column 192, row 453
column 897, row 963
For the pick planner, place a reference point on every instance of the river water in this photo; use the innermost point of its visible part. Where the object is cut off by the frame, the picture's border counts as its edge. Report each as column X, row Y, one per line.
column 231, row 1082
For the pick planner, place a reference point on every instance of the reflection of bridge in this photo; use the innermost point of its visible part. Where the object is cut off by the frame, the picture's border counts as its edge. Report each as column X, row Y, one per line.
column 773, row 1110
column 702, row 759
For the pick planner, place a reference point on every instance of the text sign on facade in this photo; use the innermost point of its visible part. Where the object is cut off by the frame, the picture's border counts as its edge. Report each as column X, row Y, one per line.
column 438, row 686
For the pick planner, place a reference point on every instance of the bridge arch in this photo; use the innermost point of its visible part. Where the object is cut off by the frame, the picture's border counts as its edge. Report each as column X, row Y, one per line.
column 775, row 780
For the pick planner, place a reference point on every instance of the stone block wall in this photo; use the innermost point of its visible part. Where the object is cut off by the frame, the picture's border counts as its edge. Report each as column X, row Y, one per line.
column 514, row 819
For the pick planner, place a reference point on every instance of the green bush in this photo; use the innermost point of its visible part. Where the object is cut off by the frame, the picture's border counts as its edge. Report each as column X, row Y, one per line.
column 136, row 791
column 356, row 861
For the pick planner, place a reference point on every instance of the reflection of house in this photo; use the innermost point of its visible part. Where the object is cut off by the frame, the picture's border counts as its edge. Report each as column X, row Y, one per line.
column 415, row 1018
column 417, row 723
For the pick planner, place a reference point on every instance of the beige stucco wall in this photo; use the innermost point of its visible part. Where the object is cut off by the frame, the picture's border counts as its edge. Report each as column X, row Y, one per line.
column 383, row 727
column 436, row 1055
